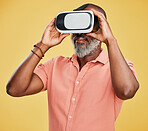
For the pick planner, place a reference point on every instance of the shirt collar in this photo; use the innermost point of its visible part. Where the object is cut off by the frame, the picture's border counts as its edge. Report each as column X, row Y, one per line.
column 102, row 58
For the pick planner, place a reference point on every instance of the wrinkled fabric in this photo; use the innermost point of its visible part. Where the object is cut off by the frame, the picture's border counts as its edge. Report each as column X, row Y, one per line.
column 80, row 100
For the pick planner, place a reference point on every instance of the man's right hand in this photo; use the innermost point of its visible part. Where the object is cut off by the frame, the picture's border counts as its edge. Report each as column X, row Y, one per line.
column 51, row 36
column 23, row 81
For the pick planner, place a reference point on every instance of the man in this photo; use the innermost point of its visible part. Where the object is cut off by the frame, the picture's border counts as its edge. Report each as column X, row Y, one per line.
column 86, row 91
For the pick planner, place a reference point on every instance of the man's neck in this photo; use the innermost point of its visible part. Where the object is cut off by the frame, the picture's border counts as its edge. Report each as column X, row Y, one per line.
column 88, row 58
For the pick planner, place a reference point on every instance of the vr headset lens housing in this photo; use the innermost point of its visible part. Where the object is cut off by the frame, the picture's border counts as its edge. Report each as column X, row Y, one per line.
column 96, row 21
column 83, row 21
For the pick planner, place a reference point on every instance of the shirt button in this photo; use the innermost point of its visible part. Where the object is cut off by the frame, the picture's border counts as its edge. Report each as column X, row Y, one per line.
column 77, row 82
column 70, row 117
column 73, row 99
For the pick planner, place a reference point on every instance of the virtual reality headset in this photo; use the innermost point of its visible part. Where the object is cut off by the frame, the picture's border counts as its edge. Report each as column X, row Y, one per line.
column 83, row 21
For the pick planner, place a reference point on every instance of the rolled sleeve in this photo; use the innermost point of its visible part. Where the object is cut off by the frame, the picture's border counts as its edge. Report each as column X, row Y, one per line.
column 131, row 66
column 118, row 101
column 40, row 71
column 44, row 71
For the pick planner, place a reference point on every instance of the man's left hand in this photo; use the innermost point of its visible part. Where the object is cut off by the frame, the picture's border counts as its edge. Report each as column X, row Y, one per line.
column 104, row 34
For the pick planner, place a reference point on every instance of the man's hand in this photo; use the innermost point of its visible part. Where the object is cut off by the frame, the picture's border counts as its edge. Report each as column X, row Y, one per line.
column 104, row 34
column 24, row 81
column 51, row 36
column 124, row 82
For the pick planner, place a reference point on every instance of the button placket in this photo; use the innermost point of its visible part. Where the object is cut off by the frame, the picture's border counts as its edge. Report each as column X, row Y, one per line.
column 73, row 99
column 71, row 111
column 77, row 82
column 70, row 117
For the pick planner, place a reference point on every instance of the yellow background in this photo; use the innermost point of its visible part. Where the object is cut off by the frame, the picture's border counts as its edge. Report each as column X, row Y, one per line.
column 22, row 23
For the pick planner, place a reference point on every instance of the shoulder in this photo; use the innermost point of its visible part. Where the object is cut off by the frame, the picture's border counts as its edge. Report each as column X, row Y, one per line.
column 57, row 60
column 60, row 59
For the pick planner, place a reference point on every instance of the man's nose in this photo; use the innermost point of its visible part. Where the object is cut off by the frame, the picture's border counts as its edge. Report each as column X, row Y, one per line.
column 80, row 34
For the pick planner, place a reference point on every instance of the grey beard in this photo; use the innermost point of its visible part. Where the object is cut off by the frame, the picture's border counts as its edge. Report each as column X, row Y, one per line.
column 89, row 49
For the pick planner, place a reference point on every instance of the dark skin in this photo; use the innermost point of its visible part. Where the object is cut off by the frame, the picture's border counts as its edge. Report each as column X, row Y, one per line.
column 124, row 82
column 25, row 82
column 87, row 58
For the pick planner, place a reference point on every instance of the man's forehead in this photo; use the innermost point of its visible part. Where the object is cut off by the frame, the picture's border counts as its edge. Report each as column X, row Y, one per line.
column 85, row 7
column 89, row 7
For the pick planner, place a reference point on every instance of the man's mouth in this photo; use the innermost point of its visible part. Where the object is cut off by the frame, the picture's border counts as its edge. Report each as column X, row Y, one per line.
column 81, row 39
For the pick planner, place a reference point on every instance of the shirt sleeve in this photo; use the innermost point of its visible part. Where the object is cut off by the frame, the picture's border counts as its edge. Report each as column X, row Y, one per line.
column 131, row 65
column 118, row 101
column 43, row 70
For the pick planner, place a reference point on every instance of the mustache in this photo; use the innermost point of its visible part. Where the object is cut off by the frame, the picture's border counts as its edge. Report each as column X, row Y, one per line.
column 77, row 36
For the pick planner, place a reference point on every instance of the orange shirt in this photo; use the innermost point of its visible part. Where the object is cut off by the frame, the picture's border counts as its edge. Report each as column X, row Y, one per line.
column 80, row 101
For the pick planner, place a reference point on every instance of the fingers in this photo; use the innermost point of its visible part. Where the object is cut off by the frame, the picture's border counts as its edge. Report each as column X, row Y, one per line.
column 100, row 16
column 97, row 35
column 98, row 13
column 62, row 36
column 51, row 24
column 53, row 21
column 94, row 35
